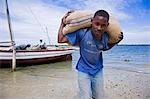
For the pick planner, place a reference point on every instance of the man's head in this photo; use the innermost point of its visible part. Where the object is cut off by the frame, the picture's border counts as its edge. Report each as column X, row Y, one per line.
column 40, row 40
column 100, row 23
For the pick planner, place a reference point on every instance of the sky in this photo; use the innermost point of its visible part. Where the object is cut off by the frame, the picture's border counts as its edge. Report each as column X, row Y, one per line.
column 32, row 20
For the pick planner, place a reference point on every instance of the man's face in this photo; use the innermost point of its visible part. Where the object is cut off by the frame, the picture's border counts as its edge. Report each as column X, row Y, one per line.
column 99, row 26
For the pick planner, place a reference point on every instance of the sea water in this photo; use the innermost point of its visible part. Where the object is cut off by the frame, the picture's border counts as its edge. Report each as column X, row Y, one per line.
column 127, row 57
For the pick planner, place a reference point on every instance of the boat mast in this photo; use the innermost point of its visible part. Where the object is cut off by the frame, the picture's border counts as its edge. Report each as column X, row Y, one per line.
column 11, row 37
column 48, row 36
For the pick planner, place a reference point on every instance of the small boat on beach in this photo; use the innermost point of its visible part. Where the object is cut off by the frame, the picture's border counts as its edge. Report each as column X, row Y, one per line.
column 32, row 57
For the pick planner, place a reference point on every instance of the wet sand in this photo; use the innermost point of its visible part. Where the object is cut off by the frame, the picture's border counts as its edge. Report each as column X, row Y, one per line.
column 59, row 81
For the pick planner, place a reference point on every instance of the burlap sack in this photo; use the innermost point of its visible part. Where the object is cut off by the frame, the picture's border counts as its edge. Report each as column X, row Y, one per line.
column 114, row 30
column 82, row 19
column 77, row 20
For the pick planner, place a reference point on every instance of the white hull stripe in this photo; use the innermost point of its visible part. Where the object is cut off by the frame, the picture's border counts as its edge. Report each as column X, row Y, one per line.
column 31, row 55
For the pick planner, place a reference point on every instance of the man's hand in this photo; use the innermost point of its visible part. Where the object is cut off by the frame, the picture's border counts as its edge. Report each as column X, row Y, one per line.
column 113, row 44
column 65, row 16
column 120, row 37
column 61, row 36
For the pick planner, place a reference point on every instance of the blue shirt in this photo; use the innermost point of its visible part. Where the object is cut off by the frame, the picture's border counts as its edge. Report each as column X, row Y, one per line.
column 90, row 60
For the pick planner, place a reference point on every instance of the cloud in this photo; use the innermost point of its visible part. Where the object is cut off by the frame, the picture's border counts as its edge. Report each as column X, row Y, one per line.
column 136, row 38
column 137, row 35
column 30, row 19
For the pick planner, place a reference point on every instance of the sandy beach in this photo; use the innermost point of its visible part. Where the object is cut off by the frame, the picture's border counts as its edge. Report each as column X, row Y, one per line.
column 59, row 81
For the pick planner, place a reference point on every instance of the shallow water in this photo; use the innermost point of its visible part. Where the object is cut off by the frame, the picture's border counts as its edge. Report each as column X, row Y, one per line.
column 48, row 81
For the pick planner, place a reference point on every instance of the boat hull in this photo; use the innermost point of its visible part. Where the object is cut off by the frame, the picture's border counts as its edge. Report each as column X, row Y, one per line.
column 25, row 58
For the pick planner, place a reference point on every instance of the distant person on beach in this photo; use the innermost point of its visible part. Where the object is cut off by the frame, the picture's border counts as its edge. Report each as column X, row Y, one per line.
column 92, row 41
column 23, row 47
